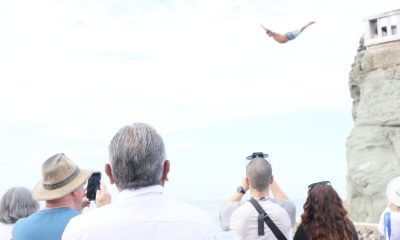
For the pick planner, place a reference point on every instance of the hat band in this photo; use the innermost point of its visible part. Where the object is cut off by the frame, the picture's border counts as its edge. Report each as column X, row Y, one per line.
column 63, row 182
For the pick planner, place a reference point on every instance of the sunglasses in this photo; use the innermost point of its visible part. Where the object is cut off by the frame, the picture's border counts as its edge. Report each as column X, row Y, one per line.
column 257, row 154
column 319, row 183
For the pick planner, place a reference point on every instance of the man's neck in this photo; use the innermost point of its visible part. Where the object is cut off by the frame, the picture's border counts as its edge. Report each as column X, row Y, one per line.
column 259, row 194
column 60, row 203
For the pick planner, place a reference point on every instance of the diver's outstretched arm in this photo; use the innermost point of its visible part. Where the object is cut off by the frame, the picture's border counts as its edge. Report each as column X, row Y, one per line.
column 306, row 26
column 281, row 38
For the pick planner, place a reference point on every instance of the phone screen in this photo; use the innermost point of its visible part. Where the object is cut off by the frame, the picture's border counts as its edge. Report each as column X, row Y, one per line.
column 93, row 185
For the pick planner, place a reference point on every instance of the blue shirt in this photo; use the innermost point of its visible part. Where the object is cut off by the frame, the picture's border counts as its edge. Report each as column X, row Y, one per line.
column 47, row 224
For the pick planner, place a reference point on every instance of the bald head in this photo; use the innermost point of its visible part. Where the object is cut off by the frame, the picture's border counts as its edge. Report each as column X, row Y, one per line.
column 259, row 172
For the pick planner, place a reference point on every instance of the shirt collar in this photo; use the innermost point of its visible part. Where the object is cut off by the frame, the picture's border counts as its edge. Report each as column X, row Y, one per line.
column 131, row 193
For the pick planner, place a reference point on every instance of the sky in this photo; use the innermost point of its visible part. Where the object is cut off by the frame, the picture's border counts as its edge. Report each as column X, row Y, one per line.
column 202, row 72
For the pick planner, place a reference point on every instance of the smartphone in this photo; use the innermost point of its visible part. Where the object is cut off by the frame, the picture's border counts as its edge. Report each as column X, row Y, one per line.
column 93, row 185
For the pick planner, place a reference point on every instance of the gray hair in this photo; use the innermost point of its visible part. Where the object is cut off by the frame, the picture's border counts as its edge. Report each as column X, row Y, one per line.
column 136, row 154
column 17, row 203
column 259, row 172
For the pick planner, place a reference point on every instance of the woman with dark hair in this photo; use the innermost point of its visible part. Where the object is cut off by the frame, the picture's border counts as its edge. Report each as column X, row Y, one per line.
column 16, row 203
column 324, row 216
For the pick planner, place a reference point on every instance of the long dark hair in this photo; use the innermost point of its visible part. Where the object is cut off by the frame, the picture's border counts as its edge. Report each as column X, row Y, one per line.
column 324, row 216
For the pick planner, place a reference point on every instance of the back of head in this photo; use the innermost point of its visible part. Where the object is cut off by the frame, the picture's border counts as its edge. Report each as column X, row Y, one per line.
column 259, row 172
column 324, row 215
column 324, row 199
column 136, row 154
column 17, row 203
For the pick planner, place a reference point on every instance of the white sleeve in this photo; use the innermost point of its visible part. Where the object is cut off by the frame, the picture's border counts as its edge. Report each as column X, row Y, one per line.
column 290, row 208
column 225, row 214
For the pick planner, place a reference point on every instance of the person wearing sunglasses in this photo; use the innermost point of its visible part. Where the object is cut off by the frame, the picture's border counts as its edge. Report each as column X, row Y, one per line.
column 389, row 222
column 240, row 215
column 324, row 216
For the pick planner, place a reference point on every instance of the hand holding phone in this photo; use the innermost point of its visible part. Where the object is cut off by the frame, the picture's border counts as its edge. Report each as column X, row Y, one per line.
column 93, row 185
column 103, row 197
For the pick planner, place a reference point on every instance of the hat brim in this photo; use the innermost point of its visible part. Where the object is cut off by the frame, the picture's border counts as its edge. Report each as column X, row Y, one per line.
column 393, row 191
column 40, row 193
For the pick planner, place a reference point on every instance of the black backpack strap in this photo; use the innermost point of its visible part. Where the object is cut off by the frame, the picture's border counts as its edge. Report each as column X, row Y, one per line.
column 263, row 216
column 260, row 222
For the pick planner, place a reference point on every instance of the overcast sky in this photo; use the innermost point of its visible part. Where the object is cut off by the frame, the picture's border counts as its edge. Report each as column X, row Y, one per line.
column 202, row 72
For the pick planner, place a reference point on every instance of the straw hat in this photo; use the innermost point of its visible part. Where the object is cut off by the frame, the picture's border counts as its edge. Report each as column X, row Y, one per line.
column 60, row 176
column 393, row 191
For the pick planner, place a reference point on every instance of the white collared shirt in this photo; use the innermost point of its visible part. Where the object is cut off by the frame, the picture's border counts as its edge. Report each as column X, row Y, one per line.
column 142, row 214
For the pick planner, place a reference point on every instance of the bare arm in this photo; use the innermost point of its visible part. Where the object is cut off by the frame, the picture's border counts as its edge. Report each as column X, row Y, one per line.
column 306, row 26
column 277, row 192
column 230, row 206
column 238, row 196
column 283, row 200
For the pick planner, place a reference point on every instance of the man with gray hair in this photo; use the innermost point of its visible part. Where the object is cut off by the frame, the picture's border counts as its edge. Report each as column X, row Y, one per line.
column 243, row 218
column 139, row 168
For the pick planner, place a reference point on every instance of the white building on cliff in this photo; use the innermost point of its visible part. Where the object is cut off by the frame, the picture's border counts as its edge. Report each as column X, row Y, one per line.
column 381, row 28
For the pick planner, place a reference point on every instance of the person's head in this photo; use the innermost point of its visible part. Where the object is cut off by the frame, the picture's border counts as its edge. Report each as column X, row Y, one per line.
column 62, row 180
column 324, row 215
column 259, row 173
column 17, row 203
column 137, row 157
column 393, row 190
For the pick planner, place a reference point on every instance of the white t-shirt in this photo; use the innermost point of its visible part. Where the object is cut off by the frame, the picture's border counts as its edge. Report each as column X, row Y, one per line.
column 5, row 231
column 395, row 224
column 142, row 214
column 242, row 218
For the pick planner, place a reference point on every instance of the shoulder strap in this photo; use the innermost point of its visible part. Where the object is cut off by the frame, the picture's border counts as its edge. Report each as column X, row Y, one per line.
column 263, row 216
column 387, row 226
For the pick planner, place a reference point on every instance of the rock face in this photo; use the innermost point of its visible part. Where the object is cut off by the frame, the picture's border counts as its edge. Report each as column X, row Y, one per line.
column 373, row 147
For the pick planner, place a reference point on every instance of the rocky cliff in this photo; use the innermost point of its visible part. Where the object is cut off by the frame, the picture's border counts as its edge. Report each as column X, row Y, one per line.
column 373, row 147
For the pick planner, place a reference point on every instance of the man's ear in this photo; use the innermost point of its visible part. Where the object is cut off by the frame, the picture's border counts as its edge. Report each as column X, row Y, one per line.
column 165, row 172
column 271, row 180
column 75, row 192
column 107, row 170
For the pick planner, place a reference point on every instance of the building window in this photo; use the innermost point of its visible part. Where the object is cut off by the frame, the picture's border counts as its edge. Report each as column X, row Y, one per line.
column 373, row 28
column 394, row 29
column 384, row 31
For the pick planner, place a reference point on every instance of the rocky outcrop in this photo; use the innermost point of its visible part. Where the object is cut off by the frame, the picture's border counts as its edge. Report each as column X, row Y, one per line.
column 373, row 147
column 368, row 231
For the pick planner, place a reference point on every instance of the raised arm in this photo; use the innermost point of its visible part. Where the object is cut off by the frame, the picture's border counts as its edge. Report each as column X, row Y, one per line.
column 277, row 192
column 238, row 196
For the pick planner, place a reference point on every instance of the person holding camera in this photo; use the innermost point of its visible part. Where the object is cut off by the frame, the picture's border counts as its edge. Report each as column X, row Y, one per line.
column 262, row 217
column 139, row 168
column 62, row 187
